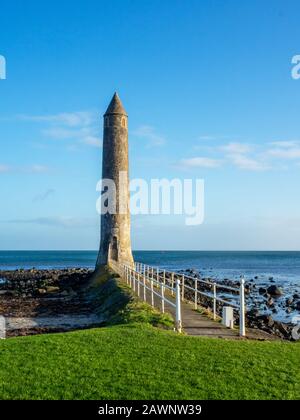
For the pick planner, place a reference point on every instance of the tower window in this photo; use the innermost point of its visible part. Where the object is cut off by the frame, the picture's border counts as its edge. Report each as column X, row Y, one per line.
column 106, row 121
column 123, row 122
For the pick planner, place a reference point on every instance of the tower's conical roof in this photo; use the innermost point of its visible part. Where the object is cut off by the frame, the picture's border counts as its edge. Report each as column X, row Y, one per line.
column 115, row 106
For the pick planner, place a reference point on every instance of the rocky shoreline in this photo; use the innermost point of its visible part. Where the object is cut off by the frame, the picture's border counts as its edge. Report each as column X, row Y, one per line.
column 44, row 294
column 263, row 303
column 32, row 294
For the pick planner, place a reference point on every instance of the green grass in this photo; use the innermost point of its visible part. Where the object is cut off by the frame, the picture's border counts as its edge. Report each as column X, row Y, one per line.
column 136, row 356
column 138, row 361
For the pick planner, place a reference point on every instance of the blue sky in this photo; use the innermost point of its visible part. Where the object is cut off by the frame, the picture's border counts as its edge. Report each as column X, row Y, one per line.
column 209, row 93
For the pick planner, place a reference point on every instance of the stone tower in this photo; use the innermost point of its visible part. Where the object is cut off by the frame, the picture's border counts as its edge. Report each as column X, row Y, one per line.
column 115, row 244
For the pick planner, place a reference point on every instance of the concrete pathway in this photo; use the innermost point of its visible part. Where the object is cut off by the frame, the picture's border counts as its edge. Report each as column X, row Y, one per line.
column 196, row 324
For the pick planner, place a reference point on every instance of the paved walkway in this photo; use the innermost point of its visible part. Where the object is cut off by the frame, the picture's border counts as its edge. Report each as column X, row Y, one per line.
column 196, row 324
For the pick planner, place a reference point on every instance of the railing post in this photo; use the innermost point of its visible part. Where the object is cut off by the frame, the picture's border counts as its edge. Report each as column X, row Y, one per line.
column 144, row 280
column 157, row 275
column 196, row 294
column 178, row 307
column 138, row 283
column 242, row 308
column 164, row 277
column 215, row 300
column 152, row 294
column 172, row 284
column 134, row 272
column 162, row 298
column 182, row 290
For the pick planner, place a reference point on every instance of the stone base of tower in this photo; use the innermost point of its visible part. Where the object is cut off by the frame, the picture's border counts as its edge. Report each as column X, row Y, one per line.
column 109, row 259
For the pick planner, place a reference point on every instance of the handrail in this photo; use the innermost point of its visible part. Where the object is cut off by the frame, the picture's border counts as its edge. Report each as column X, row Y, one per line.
column 138, row 281
column 168, row 276
column 150, row 279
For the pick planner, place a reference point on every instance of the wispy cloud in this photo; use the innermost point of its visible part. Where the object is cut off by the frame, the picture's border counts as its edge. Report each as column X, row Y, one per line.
column 247, row 163
column 244, row 156
column 91, row 141
column 37, row 169
column 207, row 138
column 29, row 169
column 70, row 119
column 62, row 222
column 4, row 169
column 285, row 144
column 200, row 162
column 149, row 134
column 247, row 157
column 239, row 148
column 285, row 150
column 75, row 127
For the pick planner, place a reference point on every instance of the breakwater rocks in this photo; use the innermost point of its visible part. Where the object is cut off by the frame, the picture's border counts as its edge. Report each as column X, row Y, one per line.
column 268, row 304
column 44, row 293
column 37, row 283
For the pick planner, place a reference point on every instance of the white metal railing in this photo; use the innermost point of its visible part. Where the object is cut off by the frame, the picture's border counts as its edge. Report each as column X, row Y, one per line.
column 148, row 280
column 169, row 279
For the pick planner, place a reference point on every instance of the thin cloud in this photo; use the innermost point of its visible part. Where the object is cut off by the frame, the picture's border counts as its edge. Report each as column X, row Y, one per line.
column 200, row 162
column 285, row 144
column 207, row 138
column 4, row 169
column 247, row 163
column 62, row 222
column 236, row 148
column 212, row 137
column 70, row 119
column 285, row 150
column 37, row 169
column 30, row 169
column 236, row 154
column 77, row 127
column 85, row 135
column 91, row 141
column 149, row 133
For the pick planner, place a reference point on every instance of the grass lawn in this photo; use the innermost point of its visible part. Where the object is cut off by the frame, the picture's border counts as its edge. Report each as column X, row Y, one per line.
column 139, row 361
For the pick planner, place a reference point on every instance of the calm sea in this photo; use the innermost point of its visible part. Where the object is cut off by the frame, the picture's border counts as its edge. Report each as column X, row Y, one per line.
column 283, row 266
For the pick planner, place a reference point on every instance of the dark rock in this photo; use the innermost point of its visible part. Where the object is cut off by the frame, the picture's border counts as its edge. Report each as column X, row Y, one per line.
column 262, row 290
column 266, row 319
column 288, row 310
column 274, row 291
column 283, row 329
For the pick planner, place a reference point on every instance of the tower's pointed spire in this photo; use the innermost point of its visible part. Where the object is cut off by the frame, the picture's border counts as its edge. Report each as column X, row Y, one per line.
column 115, row 106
